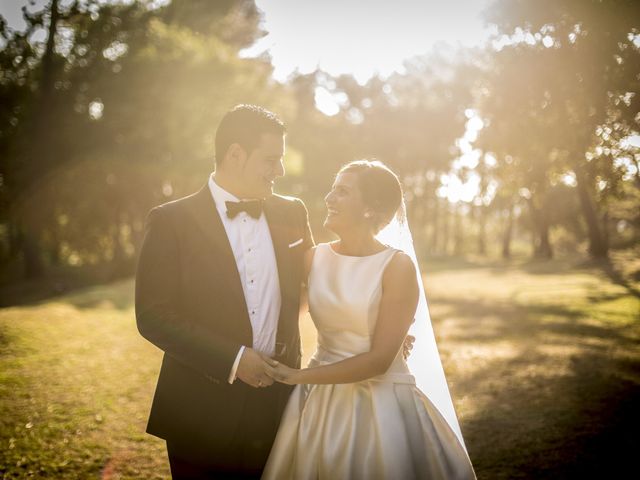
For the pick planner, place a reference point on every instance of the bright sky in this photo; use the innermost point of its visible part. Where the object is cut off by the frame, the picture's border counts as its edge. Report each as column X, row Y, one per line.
column 363, row 37
column 368, row 37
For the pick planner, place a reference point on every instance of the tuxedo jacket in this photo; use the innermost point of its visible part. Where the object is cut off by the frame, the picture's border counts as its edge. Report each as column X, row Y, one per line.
column 190, row 303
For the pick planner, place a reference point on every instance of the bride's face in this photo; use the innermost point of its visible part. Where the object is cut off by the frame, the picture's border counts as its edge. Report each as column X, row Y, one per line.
column 345, row 207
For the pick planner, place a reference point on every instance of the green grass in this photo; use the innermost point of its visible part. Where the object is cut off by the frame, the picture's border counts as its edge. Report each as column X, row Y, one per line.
column 76, row 386
column 542, row 359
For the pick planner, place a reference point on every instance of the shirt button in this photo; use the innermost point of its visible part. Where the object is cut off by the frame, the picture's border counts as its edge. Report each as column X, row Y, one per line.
column 249, row 250
column 253, row 312
column 251, row 281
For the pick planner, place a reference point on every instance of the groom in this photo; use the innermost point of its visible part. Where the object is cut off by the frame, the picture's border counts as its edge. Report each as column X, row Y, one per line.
column 217, row 289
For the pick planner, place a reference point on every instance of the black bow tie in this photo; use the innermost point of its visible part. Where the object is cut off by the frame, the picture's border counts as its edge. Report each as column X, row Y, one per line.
column 252, row 207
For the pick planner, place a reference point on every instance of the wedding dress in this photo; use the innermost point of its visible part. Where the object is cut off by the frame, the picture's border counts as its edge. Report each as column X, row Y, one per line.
column 384, row 427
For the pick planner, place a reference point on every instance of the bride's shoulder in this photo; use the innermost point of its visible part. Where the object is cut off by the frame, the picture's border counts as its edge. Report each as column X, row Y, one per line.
column 400, row 270
column 319, row 246
column 308, row 255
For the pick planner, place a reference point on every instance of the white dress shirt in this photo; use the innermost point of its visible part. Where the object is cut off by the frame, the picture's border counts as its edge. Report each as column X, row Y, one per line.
column 252, row 247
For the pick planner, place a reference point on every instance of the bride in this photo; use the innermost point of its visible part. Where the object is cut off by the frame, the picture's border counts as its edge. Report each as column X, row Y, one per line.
column 356, row 412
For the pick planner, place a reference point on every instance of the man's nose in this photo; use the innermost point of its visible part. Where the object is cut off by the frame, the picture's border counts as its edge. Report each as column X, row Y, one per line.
column 327, row 198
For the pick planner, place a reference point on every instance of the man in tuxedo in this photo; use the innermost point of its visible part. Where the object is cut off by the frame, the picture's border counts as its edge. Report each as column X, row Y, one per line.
column 217, row 289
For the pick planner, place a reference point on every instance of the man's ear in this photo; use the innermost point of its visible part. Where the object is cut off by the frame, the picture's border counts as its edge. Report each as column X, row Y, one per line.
column 236, row 155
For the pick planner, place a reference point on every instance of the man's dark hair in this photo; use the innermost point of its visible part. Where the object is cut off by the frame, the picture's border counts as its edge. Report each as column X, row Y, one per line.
column 244, row 124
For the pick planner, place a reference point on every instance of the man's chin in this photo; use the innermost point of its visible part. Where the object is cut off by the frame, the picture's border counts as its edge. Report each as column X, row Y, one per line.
column 329, row 225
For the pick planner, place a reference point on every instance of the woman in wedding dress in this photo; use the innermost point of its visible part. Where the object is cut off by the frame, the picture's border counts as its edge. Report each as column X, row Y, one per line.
column 356, row 412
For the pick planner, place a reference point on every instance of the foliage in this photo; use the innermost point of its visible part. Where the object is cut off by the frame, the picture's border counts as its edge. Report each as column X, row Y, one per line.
column 115, row 111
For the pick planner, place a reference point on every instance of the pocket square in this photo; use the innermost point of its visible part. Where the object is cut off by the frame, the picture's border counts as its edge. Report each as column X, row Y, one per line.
column 296, row 243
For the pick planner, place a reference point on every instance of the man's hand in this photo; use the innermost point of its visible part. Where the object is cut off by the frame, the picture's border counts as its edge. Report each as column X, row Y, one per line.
column 252, row 368
column 407, row 346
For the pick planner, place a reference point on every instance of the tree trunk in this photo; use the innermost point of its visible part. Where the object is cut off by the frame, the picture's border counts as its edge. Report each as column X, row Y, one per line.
column 446, row 214
column 482, row 230
column 544, row 249
column 38, row 150
column 597, row 243
column 507, row 234
column 542, row 245
column 606, row 230
column 32, row 254
column 54, row 247
column 457, row 230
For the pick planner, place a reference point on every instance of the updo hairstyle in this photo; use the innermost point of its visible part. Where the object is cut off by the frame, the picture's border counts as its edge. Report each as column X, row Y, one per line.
column 380, row 188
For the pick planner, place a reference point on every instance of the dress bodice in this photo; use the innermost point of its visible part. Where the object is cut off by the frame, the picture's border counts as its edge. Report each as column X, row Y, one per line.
column 344, row 299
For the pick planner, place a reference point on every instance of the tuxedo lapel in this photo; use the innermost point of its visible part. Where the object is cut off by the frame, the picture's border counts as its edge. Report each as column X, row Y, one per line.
column 206, row 216
column 277, row 228
column 278, row 237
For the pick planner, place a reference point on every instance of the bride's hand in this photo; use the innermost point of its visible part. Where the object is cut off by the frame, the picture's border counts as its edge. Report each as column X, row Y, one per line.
column 283, row 374
column 407, row 346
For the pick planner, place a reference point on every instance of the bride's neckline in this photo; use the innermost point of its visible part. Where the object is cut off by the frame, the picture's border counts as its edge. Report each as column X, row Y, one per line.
column 330, row 246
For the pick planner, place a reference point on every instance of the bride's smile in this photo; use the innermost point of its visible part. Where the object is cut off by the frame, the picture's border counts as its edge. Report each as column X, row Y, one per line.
column 345, row 207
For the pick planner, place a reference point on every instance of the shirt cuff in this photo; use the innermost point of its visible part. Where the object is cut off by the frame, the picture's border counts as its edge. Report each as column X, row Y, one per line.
column 234, row 368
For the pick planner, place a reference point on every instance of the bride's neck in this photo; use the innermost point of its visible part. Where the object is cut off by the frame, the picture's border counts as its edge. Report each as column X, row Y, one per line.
column 357, row 244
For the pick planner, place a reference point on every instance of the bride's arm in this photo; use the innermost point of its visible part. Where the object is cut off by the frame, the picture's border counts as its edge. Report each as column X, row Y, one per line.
column 397, row 309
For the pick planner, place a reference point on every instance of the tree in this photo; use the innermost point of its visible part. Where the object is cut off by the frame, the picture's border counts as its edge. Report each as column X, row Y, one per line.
column 126, row 100
column 582, row 60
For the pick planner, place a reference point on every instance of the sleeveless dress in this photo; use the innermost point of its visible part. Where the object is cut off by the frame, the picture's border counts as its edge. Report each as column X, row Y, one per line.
column 384, row 427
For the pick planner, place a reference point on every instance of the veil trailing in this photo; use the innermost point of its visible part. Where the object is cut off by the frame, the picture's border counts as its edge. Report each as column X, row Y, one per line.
column 424, row 361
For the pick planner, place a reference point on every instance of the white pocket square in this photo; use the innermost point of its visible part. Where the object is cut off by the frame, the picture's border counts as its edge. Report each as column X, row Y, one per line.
column 296, row 243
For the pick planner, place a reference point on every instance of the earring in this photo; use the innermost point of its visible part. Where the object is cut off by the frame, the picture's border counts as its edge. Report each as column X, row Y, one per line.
column 367, row 215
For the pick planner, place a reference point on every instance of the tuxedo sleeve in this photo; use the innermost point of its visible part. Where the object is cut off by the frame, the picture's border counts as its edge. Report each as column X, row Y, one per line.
column 160, row 318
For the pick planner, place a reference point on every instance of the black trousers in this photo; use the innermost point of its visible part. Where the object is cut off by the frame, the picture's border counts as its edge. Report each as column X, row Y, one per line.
column 246, row 452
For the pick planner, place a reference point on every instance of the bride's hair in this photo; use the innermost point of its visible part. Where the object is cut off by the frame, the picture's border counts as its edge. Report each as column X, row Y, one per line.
column 380, row 188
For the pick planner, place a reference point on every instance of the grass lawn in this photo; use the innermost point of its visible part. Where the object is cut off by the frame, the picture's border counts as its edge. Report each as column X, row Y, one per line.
column 542, row 358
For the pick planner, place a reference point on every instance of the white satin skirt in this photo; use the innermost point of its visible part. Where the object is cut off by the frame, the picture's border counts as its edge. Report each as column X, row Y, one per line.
column 382, row 428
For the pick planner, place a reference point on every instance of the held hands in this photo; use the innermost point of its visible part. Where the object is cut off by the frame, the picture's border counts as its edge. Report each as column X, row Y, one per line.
column 258, row 370
column 283, row 374
column 254, row 367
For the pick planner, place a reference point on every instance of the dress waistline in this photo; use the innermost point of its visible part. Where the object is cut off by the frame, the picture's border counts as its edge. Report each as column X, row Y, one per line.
column 324, row 356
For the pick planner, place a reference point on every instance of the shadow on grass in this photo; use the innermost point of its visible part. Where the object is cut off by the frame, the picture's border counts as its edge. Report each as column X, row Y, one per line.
column 118, row 295
column 616, row 276
column 578, row 425
column 526, row 320
column 58, row 281
column 567, row 265
column 445, row 263
column 562, row 405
